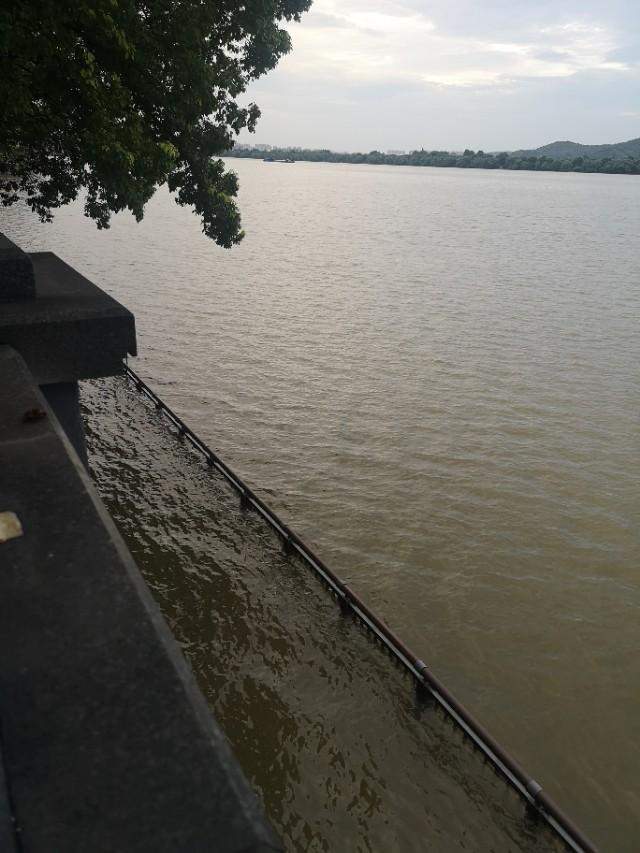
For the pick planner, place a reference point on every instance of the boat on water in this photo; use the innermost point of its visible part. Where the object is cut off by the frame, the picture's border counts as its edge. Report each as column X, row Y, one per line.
column 274, row 160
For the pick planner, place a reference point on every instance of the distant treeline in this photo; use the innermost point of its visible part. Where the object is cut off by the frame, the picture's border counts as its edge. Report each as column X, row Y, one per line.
column 467, row 160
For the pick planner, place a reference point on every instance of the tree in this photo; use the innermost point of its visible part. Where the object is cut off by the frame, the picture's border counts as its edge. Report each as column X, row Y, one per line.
column 117, row 97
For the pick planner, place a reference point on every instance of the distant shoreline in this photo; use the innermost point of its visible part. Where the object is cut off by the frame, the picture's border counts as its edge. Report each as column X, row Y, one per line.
column 446, row 159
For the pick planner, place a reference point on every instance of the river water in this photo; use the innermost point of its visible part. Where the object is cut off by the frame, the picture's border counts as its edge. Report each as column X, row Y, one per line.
column 433, row 376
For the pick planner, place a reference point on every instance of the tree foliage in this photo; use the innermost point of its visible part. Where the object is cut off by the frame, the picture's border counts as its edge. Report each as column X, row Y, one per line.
column 467, row 160
column 116, row 97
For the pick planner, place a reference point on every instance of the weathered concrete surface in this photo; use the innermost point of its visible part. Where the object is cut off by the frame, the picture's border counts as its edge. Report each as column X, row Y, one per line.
column 17, row 279
column 64, row 399
column 107, row 743
column 71, row 330
column 7, row 829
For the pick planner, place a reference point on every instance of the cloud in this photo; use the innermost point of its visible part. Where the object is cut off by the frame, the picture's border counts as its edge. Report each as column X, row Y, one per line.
column 323, row 21
column 491, row 74
column 387, row 41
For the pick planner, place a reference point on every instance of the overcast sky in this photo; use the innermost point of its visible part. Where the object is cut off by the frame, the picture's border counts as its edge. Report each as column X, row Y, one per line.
column 452, row 74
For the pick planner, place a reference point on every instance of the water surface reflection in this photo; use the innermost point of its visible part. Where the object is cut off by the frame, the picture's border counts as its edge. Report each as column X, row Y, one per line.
column 325, row 725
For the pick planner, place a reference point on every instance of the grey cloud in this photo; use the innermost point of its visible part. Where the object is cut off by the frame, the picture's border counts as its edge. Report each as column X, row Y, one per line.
column 322, row 20
column 551, row 55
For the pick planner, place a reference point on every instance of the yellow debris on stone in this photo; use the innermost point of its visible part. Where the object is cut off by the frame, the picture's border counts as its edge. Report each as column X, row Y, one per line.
column 10, row 527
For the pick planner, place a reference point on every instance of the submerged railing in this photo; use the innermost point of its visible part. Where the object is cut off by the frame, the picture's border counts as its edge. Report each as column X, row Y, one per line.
column 529, row 789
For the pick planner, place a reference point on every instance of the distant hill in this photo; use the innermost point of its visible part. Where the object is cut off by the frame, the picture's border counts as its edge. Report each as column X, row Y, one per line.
column 570, row 150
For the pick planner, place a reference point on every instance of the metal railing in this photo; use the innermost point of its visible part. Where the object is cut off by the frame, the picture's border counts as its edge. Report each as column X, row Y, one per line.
column 529, row 789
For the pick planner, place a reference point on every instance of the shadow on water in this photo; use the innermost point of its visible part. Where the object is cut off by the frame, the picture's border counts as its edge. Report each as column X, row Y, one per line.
column 327, row 728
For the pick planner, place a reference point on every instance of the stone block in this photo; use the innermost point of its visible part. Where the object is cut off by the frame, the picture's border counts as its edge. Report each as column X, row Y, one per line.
column 71, row 330
column 17, row 279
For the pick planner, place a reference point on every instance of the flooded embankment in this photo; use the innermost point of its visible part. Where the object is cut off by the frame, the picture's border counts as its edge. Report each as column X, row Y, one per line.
column 327, row 728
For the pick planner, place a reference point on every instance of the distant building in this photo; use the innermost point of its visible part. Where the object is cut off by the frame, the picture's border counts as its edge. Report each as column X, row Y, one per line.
column 395, row 151
column 260, row 147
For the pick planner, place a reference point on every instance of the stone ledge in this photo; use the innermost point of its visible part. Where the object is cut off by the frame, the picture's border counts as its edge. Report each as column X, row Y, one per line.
column 108, row 744
column 71, row 330
column 17, row 280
